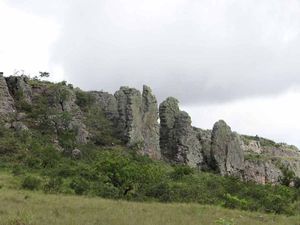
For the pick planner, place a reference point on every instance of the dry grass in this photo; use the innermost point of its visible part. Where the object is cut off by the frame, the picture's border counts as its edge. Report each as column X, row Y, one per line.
column 29, row 208
column 18, row 207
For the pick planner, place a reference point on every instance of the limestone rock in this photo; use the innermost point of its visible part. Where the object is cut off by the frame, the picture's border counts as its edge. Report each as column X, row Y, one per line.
column 130, row 120
column 62, row 99
column 168, row 111
column 227, row 150
column 262, row 172
column 137, row 120
column 150, row 128
column 108, row 103
column 264, row 160
column 178, row 139
column 7, row 105
column 19, row 88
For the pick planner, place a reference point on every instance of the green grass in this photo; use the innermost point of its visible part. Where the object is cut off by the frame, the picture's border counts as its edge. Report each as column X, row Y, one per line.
column 20, row 207
column 34, row 208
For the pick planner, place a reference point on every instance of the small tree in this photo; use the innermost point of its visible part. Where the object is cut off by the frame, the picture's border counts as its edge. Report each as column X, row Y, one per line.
column 44, row 74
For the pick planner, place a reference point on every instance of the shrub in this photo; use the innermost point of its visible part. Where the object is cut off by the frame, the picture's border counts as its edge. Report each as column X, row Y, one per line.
column 287, row 177
column 31, row 182
column 84, row 99
column 180, row 171
column 233, row 202
column 79, row 185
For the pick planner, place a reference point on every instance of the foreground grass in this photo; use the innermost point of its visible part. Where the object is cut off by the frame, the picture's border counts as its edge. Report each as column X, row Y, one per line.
column 19, row 207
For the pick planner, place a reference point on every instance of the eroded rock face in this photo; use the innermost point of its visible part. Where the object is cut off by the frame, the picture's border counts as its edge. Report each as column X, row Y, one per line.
column 150, row 128
column 227, row 151
column 262, row 172
column 168, row 111
column 265, row 166
column 178, row 139
column 7, row 104
column 138, row 119
column 62, row 100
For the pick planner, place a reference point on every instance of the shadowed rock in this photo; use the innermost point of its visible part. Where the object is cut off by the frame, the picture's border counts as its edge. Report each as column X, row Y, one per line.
column 178, row 140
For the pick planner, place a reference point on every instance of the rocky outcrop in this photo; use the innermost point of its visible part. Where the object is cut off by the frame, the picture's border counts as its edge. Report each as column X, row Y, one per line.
column 64, row 101
column 19, row 88
column 150, row 126
column 265, row 160
column 108, row 103
column 227, row 151
column 262, row 172
column 7, row 105
column 137, row 121
column 134, row 117
column 179, row 141
column 168, row 112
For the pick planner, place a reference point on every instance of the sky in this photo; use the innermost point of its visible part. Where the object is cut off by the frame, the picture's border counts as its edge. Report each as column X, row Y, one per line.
column 236, row 60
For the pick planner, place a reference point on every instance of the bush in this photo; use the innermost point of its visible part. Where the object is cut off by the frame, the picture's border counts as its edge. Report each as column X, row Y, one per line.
column 233, row 202
column 79, row 185
column 31, row 182
column 180, row 171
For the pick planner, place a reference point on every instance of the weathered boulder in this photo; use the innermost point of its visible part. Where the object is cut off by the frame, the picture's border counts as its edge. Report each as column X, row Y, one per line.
column 227, row 151
column 179, row 141
column 137, row 120
column 76, row 153
column 7, row 104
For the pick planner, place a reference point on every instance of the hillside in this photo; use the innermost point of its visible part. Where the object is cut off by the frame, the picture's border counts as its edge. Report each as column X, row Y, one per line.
column 58, row 139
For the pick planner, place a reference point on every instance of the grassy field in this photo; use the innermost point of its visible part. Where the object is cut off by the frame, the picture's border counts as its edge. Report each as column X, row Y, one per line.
column 19, row 207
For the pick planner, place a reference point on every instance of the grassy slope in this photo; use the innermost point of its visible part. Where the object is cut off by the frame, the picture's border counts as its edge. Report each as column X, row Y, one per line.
column 20, row 207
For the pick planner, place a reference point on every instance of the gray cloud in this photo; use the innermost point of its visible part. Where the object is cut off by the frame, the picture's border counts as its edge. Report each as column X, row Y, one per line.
column 199, row 51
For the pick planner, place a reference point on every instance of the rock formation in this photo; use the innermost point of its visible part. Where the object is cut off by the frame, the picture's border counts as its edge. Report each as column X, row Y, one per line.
column 178, row 140
column 108, row 103
column 227, row 150
column 134, row 117
column 137, row 120
column 19, row 88
column 7, row 105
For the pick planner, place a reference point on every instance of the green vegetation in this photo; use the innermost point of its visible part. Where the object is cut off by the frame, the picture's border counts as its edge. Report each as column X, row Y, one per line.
column 20, row 207
column 119, row 173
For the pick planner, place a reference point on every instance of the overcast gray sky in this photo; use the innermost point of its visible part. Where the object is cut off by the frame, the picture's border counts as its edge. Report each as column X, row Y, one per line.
column 231, row 59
